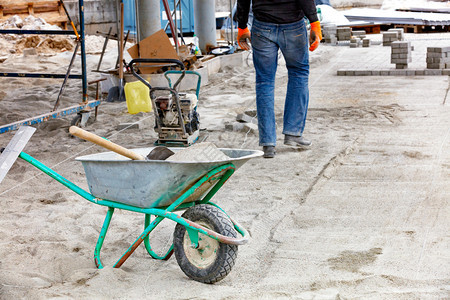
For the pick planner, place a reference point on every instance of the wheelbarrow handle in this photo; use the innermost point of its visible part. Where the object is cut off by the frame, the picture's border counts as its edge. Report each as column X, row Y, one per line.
column 88, row 136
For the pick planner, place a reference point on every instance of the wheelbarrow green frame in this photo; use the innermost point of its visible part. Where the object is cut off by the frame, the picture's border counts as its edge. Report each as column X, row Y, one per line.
column 219, row 174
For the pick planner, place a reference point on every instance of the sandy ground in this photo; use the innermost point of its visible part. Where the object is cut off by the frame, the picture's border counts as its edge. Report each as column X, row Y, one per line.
column 363, row 214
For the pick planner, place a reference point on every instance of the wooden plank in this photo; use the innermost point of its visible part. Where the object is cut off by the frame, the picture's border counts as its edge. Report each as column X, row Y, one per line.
column 12, row 151
column 51, row 11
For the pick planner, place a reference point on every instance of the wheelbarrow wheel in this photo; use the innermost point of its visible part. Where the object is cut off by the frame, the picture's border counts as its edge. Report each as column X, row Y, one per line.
column 212, row 261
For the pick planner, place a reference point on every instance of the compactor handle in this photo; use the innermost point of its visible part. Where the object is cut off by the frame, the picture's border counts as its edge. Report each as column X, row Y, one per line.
column 161, row 61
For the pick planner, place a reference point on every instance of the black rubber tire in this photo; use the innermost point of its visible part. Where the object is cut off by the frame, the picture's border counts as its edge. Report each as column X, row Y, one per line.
column 215, row 219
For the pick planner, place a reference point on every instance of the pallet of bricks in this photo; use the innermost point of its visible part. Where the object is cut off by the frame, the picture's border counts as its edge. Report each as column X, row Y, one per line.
column 438, row 57
column 51, row 11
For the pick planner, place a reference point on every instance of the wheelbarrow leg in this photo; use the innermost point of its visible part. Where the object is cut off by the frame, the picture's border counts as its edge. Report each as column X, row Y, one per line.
column 148, row 247
column 101, row 238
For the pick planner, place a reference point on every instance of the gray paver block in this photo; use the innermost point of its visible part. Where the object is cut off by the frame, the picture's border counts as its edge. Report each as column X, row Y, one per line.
column 244, row 118
column 397, row 72
column 363, row 73
column 438, row 49
column 410, row 72
column 438, row 60
column 353, row 45
column 436, row 66
column 420, row 72
column 376, row 72
column 234, row 126
column 436, row 55
column 399, row 61
column 349, row 73
column 401, row 44
column 446, row 72
column 384, row 72
column 401, row 66
column 341, row 72
column 250, row 127
column 433, row 72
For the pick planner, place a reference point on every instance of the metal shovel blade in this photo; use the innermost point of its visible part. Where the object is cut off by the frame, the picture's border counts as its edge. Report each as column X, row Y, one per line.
column 160, row 153
column 12, row 151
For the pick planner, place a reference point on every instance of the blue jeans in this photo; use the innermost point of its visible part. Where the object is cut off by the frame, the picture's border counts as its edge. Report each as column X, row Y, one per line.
column 292, row 39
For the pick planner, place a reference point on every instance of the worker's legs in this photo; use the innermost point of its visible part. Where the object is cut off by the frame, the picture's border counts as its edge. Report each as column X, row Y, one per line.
column 265, row 60
column 293, row 42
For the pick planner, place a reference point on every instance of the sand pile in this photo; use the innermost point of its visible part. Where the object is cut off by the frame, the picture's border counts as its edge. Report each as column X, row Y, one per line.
column 44, row 44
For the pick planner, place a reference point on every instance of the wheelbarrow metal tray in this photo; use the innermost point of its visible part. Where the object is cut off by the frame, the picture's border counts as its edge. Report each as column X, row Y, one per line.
column 151, row 183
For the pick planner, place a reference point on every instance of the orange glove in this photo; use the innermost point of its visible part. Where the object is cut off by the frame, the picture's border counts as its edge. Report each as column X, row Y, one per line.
column 315, row 36
column 243, row 38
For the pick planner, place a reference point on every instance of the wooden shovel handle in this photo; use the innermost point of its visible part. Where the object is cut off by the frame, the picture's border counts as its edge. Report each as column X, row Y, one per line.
column 88, row 136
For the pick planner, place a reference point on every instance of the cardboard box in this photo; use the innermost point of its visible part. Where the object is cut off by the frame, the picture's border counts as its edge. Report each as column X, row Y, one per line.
column 157, row 45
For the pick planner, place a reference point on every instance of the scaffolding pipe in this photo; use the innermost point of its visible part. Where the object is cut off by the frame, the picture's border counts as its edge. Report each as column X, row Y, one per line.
column 149, row 17
column 83, row 51
column 205, row 24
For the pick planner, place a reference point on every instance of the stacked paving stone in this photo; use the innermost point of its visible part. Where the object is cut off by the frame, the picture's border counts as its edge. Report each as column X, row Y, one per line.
column 354, row 42
column 393, row 35
column 401, row 54
column 366, row 42
column 329, row 33
column 359, row 33
column 400, row 33
column 344, row 33
column 438, row 58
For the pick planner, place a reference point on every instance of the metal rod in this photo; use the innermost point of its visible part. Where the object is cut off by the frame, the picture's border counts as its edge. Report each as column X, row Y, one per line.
column 49, row 32
column 175, row 23
column 61, row 90
column 138, row 31
column 169, row 17
column 231, row 22
column 41, row 75
column 83, row 51
column 104, row 48
column 70, row 20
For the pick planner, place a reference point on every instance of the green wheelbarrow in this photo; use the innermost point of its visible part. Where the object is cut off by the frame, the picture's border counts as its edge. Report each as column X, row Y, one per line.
column 205, row 239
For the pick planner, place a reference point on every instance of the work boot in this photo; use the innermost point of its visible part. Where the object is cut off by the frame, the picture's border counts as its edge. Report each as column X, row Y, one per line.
column 269, row 151
column 296, row 141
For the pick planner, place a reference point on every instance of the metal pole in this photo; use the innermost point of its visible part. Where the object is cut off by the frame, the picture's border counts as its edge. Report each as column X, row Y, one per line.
column 175, row 23
column 83, row 51
column 205, row 23
column 231, row 23
column 149, row 17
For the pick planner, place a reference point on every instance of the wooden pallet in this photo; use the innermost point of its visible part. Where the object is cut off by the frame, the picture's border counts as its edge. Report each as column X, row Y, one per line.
column 370, row 29
column 51, row 11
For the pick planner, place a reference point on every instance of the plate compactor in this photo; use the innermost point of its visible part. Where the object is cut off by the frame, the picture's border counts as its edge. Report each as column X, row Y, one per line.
column 176, row 117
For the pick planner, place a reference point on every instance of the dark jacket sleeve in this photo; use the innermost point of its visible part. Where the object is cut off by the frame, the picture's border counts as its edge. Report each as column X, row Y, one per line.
column 243, row 8
column 309, row 8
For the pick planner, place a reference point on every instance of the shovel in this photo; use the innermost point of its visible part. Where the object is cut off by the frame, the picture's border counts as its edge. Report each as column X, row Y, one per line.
column 117, row 93
column 158, row 153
